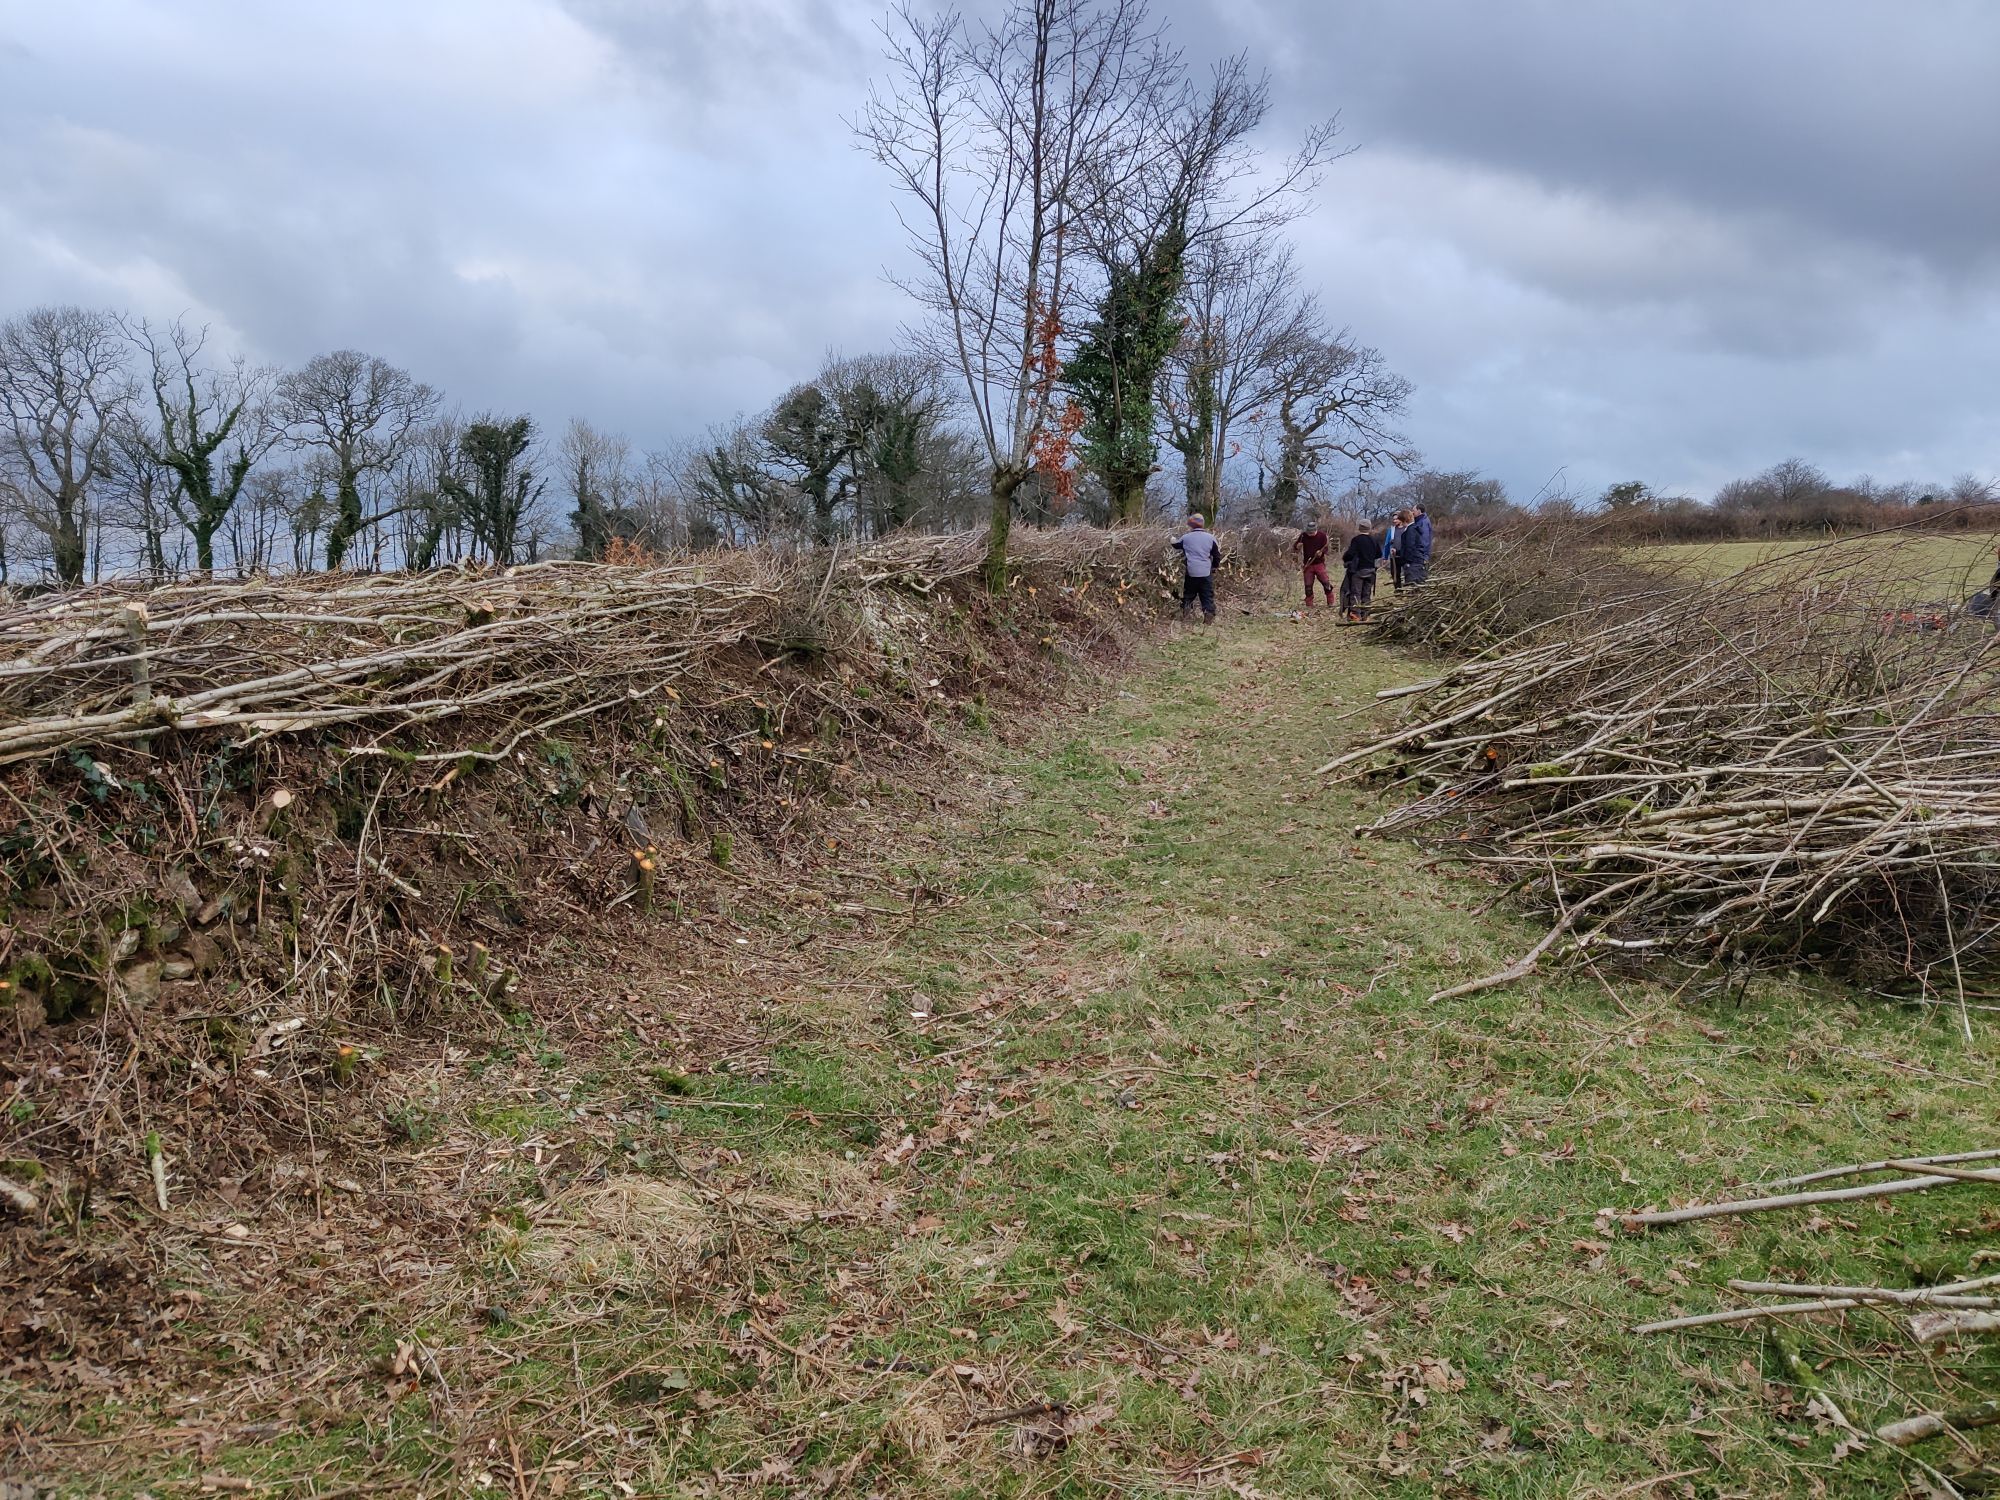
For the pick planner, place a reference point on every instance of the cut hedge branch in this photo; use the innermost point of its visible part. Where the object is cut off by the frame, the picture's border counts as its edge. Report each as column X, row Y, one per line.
column 1932, row 1424
column 1802, row 1200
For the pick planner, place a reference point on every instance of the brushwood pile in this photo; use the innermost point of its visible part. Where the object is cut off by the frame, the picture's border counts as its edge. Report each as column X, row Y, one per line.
column 355, row 789
column 1796, row 765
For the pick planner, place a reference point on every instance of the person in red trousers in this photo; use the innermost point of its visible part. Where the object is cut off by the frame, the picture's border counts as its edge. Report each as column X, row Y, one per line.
column 1312, row 549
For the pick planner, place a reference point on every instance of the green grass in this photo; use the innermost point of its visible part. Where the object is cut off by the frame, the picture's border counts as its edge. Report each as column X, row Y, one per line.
column 1205, row 1163
column 1931, row 567
column 1143, row 1165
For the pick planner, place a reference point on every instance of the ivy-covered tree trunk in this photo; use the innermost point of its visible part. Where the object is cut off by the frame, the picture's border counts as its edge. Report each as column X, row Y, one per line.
column 424, row 549
column 1128, row 496
column 1116, row 369
column 1283, row 499
column 820, row 497
column 203, row 532
column 502, row 487
column 593, row 527
column 897, row 461
column 348, row 521
column 209, row 504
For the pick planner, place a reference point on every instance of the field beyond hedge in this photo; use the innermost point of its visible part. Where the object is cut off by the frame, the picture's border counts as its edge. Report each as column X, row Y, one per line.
column 1940, row 569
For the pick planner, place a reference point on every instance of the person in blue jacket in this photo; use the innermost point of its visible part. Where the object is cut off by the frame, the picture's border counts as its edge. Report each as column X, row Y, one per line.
column 1413, row 548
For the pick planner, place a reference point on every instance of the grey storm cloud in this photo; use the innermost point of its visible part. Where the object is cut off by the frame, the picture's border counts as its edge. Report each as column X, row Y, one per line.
column 1669, row 239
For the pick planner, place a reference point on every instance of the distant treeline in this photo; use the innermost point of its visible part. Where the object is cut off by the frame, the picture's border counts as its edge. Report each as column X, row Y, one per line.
column 1793, row 498
column 129, row 449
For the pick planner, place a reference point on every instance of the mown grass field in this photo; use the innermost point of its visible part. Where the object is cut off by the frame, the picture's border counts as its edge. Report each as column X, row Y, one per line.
column 1943, row 568
column 1122, row 1153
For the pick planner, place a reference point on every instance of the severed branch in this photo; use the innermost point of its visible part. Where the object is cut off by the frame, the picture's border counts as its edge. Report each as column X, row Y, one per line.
column 1932, row 1177
column 1928, row 1328
column 1899, row 1163
column 1828, row 1299
column 1932, row 1424
column 1951, row 1295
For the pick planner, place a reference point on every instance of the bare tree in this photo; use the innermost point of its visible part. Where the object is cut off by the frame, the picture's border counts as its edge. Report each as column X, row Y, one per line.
column 201, row 411
column 658, row 514
column 597, row 466
column 427, row 490
column 731, row 495
column 261, row 516
column 1794, row 480
column 1461, row 494
column 997, row 136
column 64, row 389
column 142, row 504
column 310, row 511
column 1241, row 303
column 1970, row 489
column 949, row 491
column 1335, row 398
column 358, row 411
column 1191, row 189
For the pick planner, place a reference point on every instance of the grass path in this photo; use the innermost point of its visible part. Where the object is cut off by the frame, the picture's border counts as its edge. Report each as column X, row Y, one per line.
column 1126, row 1156
column 1162, row 1175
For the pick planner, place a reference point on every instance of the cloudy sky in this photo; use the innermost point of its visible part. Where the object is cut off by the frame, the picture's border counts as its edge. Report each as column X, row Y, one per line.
column 1675, row 240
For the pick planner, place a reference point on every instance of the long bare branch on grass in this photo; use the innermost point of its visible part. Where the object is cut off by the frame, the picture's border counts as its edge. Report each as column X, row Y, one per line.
column 1801, row 1200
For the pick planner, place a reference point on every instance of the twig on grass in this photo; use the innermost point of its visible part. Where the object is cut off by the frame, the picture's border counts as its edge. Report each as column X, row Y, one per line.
column 1930, row 1180
column 1887, row 1163
column 1930, row 1424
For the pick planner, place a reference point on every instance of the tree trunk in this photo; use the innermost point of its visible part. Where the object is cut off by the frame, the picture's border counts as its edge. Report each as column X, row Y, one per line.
column 424, row 549
column 1128, row 497
column 1283, row 501
column 1195, row 476
column 346, row 521
column 999, row 522
column 823, row 502
column 67, row 550
column 1284, row 498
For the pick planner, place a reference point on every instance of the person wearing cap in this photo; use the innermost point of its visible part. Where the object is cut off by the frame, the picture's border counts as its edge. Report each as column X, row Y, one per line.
column 1199, row 552
column 1312, row 545
column 1357, row 578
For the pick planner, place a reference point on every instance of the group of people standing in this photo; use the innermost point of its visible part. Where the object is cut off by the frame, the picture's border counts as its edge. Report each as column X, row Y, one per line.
column 1403, row 542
